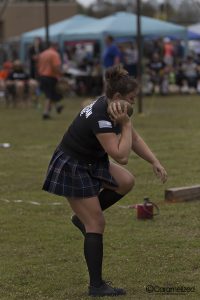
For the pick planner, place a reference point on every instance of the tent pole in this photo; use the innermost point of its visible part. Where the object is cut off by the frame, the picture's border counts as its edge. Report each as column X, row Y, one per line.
column 46, row 20
column 139, row 65
column 186, row 43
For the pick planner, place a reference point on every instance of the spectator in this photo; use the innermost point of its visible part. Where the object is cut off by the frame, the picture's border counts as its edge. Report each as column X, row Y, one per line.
column 80, row 54
column 131, row 60
column 156, row 69
column 122, row 49
column 34, row 52
column 49, row 70
column 168, row 52
column 97, row 81
column 158, row 47
column 4, row 73
column 111, row 54
column 173, row 88
column 3, row 54
column 190, row 70
column 69, row 60
column 180, row 78
column 179, row 50
column 19, row 85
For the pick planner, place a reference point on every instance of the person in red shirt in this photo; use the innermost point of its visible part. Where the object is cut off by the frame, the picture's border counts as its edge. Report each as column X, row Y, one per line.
column 49, row 70
column 4, row 72
column 168, row 52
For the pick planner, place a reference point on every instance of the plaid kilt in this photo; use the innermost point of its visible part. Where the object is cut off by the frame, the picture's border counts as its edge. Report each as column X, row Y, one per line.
column 69, row 177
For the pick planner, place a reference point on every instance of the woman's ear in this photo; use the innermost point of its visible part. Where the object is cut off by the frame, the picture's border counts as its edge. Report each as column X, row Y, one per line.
column 117, row 96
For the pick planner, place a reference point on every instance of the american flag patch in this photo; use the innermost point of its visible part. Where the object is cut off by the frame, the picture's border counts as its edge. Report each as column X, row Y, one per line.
column 105, row 124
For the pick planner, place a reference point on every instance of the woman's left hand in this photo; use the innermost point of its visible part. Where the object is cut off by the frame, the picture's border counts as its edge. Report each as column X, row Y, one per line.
column 160, row 171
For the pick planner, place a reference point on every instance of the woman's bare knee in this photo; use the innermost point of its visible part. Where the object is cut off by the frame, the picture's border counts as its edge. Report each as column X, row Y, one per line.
column 124, row 178
column 126, row 184
column 95, row 224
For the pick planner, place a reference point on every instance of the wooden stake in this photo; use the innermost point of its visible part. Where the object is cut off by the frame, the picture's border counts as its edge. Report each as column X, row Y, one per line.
column 187, row 193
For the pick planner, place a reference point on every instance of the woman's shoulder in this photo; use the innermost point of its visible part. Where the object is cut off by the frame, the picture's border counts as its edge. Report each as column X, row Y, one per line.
column 101, row 105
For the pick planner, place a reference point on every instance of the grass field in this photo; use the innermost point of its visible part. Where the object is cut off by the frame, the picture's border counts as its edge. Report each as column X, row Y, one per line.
column 41, row 252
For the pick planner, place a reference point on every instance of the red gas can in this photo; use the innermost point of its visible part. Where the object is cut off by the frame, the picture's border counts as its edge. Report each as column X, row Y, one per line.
column 145, row 210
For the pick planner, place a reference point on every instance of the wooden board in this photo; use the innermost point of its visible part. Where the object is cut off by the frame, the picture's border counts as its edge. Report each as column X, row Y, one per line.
column 186, row 193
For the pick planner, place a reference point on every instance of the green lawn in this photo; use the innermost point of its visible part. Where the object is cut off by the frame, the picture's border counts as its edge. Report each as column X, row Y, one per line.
column 41, row 252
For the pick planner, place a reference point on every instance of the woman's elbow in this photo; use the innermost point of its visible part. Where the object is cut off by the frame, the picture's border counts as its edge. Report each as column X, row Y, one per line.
column 122, row 161
column 120, row 158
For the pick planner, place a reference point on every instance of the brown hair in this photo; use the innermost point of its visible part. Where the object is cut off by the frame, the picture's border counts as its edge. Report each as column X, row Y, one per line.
column 119, row 81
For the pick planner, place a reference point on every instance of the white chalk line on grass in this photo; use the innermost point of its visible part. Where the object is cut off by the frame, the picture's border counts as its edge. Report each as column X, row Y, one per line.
column 30, row 202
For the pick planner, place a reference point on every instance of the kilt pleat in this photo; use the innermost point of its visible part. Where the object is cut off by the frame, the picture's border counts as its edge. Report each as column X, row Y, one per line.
column 69, row 177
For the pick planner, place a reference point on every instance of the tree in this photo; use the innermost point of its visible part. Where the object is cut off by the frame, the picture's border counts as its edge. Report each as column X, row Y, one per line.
column 183, row 12
column 17, row 1
column 166, row 11
column 148, row 9
column 188, row 12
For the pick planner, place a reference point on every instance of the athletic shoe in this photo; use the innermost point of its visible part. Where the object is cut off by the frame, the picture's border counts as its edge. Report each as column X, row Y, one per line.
column 75, row 220
column 46, row 117
column 105, row 290
column 59, row 109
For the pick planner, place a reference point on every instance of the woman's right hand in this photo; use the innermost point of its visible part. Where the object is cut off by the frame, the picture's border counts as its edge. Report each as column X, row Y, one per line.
column 117, row 114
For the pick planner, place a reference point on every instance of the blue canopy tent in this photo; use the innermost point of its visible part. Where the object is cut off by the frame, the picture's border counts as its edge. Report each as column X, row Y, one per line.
column 56, row 30
column 194, row 32
column 124, row 24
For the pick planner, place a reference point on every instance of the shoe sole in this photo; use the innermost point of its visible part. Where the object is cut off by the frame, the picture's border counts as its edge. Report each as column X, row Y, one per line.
column 108, row 295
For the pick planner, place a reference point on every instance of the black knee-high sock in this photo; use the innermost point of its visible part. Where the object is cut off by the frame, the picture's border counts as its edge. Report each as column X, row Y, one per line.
column 108, row 197
column 93, row 251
